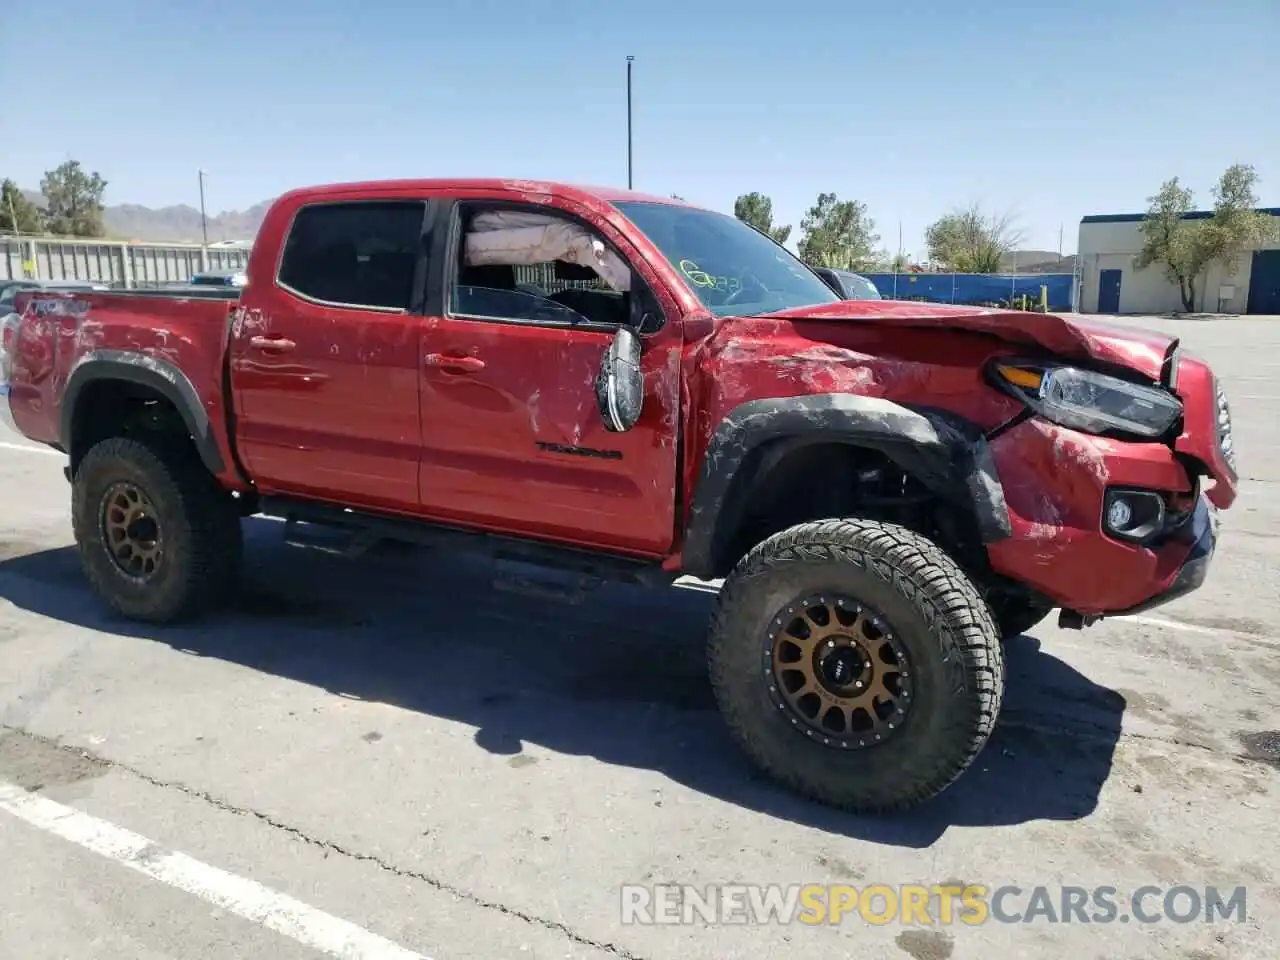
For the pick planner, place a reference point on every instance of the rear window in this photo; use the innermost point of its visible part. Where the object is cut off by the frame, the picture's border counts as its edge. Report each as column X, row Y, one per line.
column 354, row 254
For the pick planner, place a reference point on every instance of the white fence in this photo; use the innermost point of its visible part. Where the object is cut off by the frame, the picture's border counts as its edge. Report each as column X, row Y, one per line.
column 119, row 263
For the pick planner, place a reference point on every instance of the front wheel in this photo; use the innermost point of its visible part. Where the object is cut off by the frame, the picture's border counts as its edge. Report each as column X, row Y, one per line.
column 856, row 663
column 159, row 540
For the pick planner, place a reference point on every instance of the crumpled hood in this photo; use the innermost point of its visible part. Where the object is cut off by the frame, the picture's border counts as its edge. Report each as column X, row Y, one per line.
column 1132, row 347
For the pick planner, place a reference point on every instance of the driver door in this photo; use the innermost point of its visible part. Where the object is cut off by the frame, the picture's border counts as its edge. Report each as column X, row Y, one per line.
column 511, row 436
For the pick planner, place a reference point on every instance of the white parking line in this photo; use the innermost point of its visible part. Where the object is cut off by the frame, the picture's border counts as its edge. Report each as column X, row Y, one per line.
column 1174, row 625
column 5, row 445
column 244, row 898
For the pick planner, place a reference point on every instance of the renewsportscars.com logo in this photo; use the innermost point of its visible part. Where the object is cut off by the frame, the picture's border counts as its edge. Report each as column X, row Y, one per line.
column 925, row 905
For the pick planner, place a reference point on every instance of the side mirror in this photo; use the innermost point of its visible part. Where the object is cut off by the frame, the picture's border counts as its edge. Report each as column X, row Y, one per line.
column 620, row 384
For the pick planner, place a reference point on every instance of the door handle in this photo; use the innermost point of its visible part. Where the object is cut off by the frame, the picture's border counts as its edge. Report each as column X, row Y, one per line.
column 271, row 343
column 463, row 364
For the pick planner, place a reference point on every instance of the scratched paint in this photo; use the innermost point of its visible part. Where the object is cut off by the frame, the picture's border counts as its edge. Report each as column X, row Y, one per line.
column 532, row 405
column 1078, row 451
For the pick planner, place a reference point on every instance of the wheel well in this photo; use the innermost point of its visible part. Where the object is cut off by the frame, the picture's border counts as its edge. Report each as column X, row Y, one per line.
column 784, row 483
column 114, row 408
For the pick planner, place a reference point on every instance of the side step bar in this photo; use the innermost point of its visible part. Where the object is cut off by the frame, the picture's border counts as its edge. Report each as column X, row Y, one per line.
column 347, row 532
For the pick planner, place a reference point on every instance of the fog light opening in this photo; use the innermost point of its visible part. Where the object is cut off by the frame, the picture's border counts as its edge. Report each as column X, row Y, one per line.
column 1134, row 515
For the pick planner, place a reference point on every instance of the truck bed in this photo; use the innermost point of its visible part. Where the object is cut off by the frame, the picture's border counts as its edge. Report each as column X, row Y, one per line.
column 167, row 338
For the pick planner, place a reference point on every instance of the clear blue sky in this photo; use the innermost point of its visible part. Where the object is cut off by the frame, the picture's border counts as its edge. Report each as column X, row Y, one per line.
column 1051, row 112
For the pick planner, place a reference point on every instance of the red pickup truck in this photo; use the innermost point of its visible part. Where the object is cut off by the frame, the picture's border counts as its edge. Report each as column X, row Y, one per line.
column 625, row 386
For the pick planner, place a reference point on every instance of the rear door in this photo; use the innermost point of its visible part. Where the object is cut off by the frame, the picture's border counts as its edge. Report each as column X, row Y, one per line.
column 511, row 435
column 325, row 360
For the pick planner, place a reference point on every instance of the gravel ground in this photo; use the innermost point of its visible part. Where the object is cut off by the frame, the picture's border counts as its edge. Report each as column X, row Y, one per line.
column 466, row 772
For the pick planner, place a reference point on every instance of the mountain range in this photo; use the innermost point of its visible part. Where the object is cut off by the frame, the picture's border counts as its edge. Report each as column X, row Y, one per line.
column 181, row 223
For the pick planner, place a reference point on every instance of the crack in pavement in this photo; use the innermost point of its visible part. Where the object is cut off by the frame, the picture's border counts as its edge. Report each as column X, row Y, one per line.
column 330, row 847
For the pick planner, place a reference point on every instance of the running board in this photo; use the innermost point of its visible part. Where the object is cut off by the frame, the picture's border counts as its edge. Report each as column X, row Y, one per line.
column 348, row 532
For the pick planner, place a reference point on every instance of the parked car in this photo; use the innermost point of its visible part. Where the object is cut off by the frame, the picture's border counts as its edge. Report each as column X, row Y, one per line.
column 888, row 489
column 218, row 278
column 850, row 286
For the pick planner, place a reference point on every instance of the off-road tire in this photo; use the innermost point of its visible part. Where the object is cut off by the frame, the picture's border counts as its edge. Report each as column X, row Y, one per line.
column 936, row 612
column 200, row 524
column 1015, row 616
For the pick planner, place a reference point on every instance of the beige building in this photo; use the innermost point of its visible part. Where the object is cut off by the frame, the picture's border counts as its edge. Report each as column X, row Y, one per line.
column 1108, row 282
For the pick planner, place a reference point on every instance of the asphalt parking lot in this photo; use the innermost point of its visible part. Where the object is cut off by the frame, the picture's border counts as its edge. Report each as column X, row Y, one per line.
column 390, row 754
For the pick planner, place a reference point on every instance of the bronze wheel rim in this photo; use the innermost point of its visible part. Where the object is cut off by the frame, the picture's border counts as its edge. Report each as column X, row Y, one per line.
column 131, row 531
column 835, row 667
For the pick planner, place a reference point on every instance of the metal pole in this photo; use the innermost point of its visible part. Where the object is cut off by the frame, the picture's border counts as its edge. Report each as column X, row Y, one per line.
column 898, row 265
column 204, row 224
column 13, row 217
column 629, row 61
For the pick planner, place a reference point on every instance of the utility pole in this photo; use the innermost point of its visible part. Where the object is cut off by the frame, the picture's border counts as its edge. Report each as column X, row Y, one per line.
column 629, row 62
column 13, row 218
column 204, row 223
column 897, row 266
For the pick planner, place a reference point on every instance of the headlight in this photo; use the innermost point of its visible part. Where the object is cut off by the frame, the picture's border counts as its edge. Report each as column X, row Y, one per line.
column 1225, row 439
column 1092, row 402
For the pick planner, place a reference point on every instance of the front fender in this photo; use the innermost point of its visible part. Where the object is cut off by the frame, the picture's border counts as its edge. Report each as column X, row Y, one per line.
column 948, row 455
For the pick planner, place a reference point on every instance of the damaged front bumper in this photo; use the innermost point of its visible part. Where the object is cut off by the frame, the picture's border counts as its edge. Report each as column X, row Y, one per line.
column 1058, row 485
column 1200, row 536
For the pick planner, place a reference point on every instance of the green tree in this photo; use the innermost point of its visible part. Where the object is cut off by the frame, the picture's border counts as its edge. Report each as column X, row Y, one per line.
column 17, row 213
column 886, row 262
column 838, row 234
column 757, row 210
column 1185, row 248
column 74, row 200
column 970, row 241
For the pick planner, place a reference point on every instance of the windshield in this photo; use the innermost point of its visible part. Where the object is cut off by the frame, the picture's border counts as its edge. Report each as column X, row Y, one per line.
column 732, row 268
column 860, row 288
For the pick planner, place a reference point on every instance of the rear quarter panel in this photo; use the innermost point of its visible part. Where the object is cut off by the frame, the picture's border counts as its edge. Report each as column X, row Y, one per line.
column 174, row 337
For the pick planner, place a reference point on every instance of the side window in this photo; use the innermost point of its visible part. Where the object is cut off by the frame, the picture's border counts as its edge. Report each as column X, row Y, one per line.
column 537, row 268
column 354, row 254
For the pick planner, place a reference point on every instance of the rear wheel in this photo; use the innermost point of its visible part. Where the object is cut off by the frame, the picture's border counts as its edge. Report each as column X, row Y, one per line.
column 159, row 539
column 856, row 663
